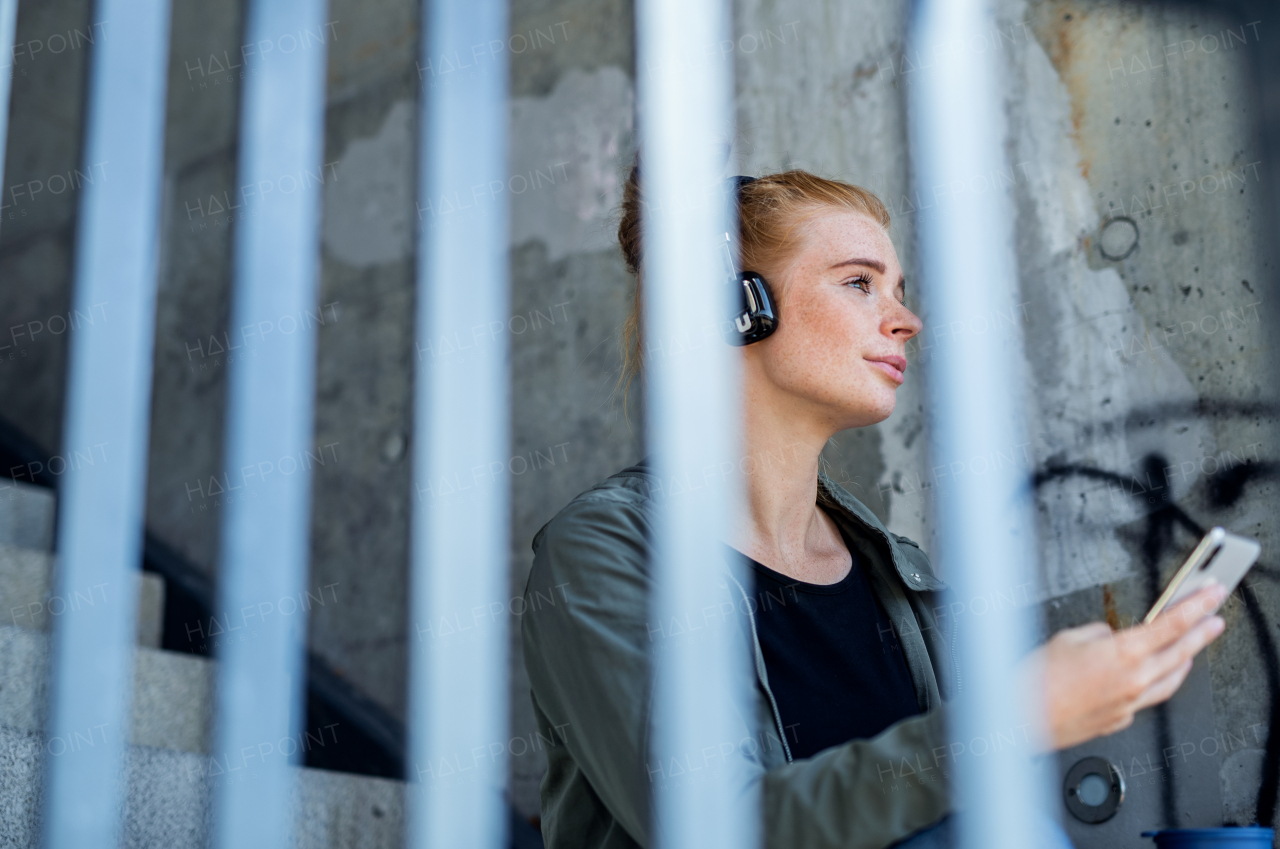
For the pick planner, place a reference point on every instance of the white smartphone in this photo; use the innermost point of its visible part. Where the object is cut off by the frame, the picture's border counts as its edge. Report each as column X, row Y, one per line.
column 1221, row 557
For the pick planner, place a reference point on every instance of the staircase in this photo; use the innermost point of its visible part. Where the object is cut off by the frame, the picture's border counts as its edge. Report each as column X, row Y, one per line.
column 168, row 773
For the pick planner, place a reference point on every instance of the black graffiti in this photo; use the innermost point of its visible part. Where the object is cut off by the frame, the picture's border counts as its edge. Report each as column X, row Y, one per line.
column 1164, row 519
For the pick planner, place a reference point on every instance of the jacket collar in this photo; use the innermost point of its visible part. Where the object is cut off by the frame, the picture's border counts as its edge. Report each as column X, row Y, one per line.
column 916, row 572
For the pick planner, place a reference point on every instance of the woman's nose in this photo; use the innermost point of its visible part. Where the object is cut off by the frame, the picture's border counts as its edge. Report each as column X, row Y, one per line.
column 902, row 323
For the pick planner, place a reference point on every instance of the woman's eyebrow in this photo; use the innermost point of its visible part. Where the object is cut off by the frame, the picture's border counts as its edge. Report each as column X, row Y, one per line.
column 869, row 263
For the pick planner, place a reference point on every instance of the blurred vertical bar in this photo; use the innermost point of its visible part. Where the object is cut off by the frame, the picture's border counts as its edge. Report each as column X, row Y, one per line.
column 701, row 680
column 8, row 26
column 105, row 432
column 270, row 406
column 460, row 553
column 986, row 522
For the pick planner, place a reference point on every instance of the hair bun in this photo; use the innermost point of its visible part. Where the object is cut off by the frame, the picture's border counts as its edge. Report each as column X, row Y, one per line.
column 629, row 227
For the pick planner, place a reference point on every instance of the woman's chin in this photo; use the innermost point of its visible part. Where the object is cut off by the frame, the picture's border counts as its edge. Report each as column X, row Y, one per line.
column 865, row 415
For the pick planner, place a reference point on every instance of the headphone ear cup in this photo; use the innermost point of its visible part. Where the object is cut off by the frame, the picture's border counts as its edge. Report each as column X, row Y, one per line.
column 768, row 297
column 757, row 315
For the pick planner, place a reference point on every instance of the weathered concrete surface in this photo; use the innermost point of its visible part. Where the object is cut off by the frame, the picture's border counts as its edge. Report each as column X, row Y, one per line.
column 27, row 599
column 571, row 142
column 193, row 302
column 43, row 175
column 1145, row 363
column 1102, row 354
column 26, row 515
column 172, row 692
column 364, row 385
column 168, row 793
column 573, row 111
column 572, row 121
column 1150, row 366
column 1144, row 355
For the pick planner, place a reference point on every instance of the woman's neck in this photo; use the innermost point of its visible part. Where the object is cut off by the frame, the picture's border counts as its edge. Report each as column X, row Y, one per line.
column 778, row 523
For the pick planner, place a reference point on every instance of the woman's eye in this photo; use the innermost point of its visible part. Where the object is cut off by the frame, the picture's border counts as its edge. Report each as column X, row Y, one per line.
column 861, row 282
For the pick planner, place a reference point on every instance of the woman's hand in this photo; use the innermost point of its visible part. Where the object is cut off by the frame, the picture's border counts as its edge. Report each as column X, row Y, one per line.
column 1093, row 680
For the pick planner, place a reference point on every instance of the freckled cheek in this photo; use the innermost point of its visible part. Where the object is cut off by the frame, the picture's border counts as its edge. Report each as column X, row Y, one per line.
column 825, row 349
column 825, row 318
column 840, row 335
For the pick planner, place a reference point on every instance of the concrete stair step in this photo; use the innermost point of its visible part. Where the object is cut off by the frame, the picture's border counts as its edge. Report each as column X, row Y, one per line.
column 172, row 692
column 27, row 600
column 168, row 803
column 26, row 515
column 170, row 775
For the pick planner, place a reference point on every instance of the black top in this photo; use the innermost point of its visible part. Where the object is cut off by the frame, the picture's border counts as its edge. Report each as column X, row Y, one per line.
column 833, row 659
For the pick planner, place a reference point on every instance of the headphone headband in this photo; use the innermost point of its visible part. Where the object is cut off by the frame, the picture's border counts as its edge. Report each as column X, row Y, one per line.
column 756, row 317
column 738, row 182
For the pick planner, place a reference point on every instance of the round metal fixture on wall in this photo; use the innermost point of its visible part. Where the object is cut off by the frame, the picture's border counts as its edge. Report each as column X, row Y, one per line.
column 1093, row 790
column 1118, row 238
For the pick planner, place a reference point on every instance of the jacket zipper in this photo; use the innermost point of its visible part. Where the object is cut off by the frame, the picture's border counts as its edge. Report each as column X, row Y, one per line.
column 759, row 664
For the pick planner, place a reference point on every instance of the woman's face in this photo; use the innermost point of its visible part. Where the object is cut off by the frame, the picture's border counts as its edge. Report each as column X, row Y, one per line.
column 840, row 348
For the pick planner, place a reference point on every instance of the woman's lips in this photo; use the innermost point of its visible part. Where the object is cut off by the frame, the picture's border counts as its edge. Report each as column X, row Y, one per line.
column 892, row 366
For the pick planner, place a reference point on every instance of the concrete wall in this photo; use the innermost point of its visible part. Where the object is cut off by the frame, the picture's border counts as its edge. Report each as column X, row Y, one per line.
column 572, row 120
column 1149, row 410
column 1148, row 405
column 1150, row 367
column 571, row 115
column 43, row 173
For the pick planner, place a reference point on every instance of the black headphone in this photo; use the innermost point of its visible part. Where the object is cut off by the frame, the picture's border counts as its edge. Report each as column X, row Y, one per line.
column 754, row 316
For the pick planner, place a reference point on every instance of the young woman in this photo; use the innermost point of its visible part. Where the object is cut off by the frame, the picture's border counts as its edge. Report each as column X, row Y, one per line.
column 852, row 665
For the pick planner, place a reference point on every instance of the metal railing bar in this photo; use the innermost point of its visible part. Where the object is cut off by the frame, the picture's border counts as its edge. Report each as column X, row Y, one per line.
column 108, row 404
column 8, row 29
column 702, row 680
column 270, row 410
column 459, row 546
column 986, row 523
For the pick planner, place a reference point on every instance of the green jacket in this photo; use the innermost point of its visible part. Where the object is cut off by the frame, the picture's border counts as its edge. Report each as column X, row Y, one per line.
column 585, row 632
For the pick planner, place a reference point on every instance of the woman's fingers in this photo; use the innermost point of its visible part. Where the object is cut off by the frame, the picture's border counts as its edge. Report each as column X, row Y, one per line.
column 1087, row 632
column 1172, row 624
column 1097, row 679
column 1196, row 606
column 1185, row 649
column 1164, row 687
